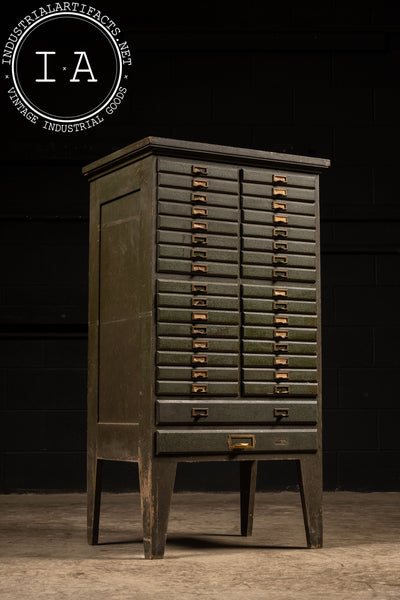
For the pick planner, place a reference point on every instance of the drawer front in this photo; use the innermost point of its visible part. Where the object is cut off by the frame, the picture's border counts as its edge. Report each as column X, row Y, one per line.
column 191, row 388
column 278, row 178
column 280, row 375
column 196, row 301
column 258, row 388
column 197, row 373
column 255, row 318
column 245, row 441
column 280, row 347
column 278, row 245
column 197, row 212
column 281, row 305
column 209, row 412
column 198, row 330
column 278, row 292
column 278, row 206
column 198, row 198
column 278, row 259
column 277, row 219
column 197, row 267
column 199, row 345
column 197, row 169
column 198, row 253
column 278, row 233
column 198, row 288
column 197, row 225
column 195, row 358
column 199, row 240
column 197, row 183
column 279, row 335
column 278, row 273
column 279, row 361
column 263, row 189
column 197, row 316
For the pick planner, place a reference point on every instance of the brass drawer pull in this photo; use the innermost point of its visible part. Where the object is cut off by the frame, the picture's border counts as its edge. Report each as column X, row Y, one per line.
column 199, row 198
column 281, row 320
column 199, row 225
column 199, row 412
column 279, row 178
column 280, row 305
column 282, row 375
column 200, row 239
column 201, row 268
column 280, row 333
column 200, row 170
column 199, row 358
column 200, row 183
column 280, row 245
column 199, row 389
column 281, row 389
column 281, row 361
column 280, row 293
column 280, row 232
column 199, row 316
column 280, row 219
column 197, row 253
column 279, row 205
column 200, row 345
column 249, row 442
column 196, row 374
column 199, row 301
column 279, row 192
column 199, row 330
column 281, row 347
column 201, row 211
column 280, row 274
column 279, row 260
column 200, row 288
column 281, row 412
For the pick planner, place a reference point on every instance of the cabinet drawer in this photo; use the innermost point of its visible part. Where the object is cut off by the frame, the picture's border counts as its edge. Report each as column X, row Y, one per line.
column 270, row 333
column 271, row 205
column 278, row 292
column 198, row 198
column 198, row 374
column 199, row 288
column 277, row 220
column 204, row 388
column 278, row 273
column 278, row 259
column 194, row 302
column 202, row 240
column 199, row 316
column 196, row 169
column 280, row 375
column 195, row 267
column 273, row 360
column 258, row 388
column 278, row 233
column 255, row 318
column 281, row 305
column 285, row 246
column 244, row 441
column 283, row 348
column 278, row 178
column 198, row 345
column 198, row 331
column 198, row 253
column 295, row 193
column 197, row 183
column 198, row 226
column 209, row 412
column 198, row 359
column 198, row 212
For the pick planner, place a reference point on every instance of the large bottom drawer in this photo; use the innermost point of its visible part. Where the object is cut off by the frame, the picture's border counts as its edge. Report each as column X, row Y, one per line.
column 244, row 441
column 214, row 412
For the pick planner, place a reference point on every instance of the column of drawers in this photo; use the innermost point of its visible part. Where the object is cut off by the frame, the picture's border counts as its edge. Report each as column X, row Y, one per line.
column 197, row 316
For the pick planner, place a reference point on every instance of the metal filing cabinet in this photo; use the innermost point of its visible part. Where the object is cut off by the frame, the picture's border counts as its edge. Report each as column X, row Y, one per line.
column 204, row 320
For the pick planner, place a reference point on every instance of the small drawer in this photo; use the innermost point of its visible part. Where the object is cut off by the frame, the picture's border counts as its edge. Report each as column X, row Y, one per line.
column 197, row 389
column 197, row 267
column 197, row 358
column 284, row 246
column 270, row 205
column 270, row 218
column 278, row 259
column 178, row 315
column 196, row 169
column 291, row 193
column 281, row 390
column 189, row 210
column 279, row 349
column 278, row 178
column 200, row 253
column 282, row 375
column 177, row 344
column 255, row 318
column 279, row 305
column 197, row 226
column 287, row 233
column 279, row 361
column 268, row 333
column 278, row 274
column 197, row 373
column 277, row 292
column 244, row 441
column 197, row 301
column 205, row 330
column 211, row 412
column 197, row 181
column 200, row 198
column 210, row 288
column 201, row 240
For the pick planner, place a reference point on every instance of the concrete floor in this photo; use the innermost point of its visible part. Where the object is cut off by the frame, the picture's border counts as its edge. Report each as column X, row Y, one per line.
column 44, row 553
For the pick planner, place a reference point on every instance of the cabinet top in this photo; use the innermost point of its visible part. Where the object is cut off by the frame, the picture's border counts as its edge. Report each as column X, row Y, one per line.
column 182, row 148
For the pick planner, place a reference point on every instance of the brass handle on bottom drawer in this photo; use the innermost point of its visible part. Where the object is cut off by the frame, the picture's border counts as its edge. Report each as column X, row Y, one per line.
column 233, row 444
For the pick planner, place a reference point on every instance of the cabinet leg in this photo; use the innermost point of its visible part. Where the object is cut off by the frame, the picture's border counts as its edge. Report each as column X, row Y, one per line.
column 94, row 473
column 157, row 480
column 248, row 477
column 310, row 480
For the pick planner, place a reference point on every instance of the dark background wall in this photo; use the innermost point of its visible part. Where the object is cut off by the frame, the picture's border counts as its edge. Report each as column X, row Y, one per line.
column 314, row 78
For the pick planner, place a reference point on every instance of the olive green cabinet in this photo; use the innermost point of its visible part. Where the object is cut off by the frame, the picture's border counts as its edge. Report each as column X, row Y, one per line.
column 204, row 320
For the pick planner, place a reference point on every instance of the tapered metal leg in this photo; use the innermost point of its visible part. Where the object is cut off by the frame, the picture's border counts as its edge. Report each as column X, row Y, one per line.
column 310, row 481
column 248, row 477
column 95, row 468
